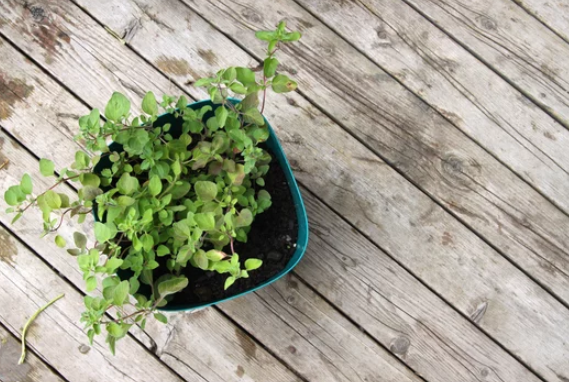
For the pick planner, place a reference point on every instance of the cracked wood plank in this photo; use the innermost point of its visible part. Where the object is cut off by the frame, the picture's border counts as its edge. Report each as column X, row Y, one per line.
column 33, row 370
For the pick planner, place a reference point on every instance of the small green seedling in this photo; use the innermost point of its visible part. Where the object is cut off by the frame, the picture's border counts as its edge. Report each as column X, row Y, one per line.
column 167, row 200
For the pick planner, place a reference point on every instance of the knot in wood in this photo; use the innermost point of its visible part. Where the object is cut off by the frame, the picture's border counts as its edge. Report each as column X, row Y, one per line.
column 400, row 345
column 459, row 172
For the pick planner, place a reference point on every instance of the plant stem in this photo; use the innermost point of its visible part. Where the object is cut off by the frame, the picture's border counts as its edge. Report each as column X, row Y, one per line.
column 29, row 322
column 49, row 189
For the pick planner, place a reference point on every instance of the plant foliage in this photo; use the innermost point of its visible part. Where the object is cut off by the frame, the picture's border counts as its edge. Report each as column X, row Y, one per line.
column 167, row 199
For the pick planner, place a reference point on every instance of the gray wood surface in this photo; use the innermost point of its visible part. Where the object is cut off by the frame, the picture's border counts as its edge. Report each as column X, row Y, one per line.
column 442, row 73
column 403, row 315
column 512, row 42
column 33, row 370
column 553, row 13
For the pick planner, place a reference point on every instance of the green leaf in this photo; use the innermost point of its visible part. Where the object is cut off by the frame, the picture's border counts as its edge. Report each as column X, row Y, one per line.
column 238, row 88
column 171, row 286
column 102, row 232
column 245, row 75
column 270, row 66
column 112, row 264
column 205, row 190
column 228, row 282
column 265, row 35
column 82, row 160
column 16, row 218
column 176, row 168
column 120, row 294
column 215, row 255
column 117, row 107
column 229, row 74
column 161, row 318
column 14, row 195
column 221, row 114
column 155, row 185
column 203, row 82
column 127, row 184
column 252, row 264
column 149, row 105
column 115, row 330
column 52, row 199
column 60, row 241
column 47, row 167
column 205, row 221
column 26, row 184
column 80, row 240
column 91, row 283
column 89, row 193
column 125, row 201
column 244, row 219
column 147, row 242
column 290, row 37
column 89, row 179
column 199, row 259
column 283, row 84
column 253, row 115
column 162, row 250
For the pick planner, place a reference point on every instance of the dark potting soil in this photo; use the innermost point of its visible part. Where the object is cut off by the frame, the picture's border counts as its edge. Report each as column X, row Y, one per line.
column 272, row 239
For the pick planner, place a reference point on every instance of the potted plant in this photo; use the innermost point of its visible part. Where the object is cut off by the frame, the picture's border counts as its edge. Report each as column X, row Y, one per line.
column 192, row 207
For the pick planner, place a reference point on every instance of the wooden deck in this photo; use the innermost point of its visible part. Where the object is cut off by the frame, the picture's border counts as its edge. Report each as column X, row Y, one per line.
column 431, row 141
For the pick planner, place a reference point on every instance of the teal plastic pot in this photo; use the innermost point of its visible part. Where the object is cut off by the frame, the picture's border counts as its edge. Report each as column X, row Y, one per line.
column 280, row 158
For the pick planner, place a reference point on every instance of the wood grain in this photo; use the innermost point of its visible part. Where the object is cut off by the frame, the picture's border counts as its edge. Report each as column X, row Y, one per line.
column 309, row 334
column 438, row 249
column 33, row 370
column 554, row 14
column 511, row 42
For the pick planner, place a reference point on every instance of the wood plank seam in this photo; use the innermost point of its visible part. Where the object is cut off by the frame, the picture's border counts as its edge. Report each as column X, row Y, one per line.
column 526, row 94
column 408, row 178
column 403, row 266
column 437, row 110
column 259, row 342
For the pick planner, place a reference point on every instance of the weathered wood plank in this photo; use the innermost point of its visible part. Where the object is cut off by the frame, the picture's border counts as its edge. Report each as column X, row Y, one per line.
column 510, row 41
column 339, row 169
column 437, row 69
column 27, row 283
column 309, row 334
column 554, row 14
column 23, row 122
column 33, row 370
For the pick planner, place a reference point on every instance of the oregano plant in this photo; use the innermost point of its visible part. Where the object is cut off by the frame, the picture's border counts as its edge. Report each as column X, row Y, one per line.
column 164, row 197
